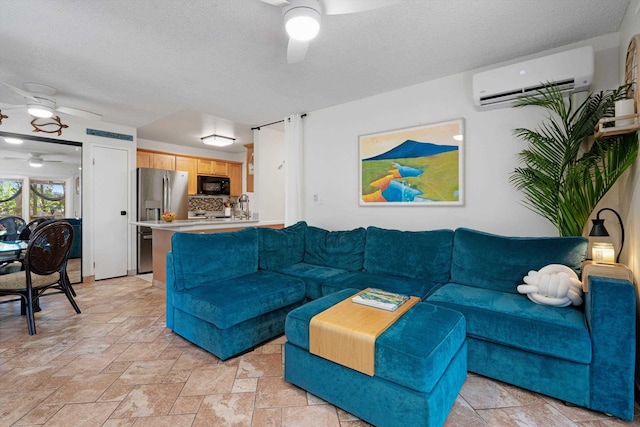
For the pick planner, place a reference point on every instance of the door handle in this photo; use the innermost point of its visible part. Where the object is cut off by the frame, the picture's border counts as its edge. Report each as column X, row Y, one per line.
column 123, row 212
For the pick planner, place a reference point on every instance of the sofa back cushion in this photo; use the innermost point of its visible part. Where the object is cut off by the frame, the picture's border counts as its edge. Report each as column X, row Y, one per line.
column 412, row 254
column 199, row 259
column 337, row 249
column 497, row 262
column 281, row 248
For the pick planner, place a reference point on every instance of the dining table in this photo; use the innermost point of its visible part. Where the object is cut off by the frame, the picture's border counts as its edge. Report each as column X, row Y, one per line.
column 10, row 252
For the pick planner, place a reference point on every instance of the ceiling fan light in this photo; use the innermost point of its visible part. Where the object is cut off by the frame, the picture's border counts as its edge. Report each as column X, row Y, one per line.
column 40, row 111
column 10, row 140
column 302, row 23
column 36, row 162
column 217, row 140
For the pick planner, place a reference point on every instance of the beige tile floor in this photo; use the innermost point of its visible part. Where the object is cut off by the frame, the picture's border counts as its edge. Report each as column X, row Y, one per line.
column 117, row 365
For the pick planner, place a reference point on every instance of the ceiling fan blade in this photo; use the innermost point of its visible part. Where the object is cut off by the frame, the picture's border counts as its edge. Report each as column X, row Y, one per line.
column 276, row 2
column 341, row 7
column 79, row 113
column 297, row 50
column 21, row 92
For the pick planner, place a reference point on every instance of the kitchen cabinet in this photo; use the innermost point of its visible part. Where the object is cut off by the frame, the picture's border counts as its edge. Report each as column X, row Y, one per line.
column 250, row 163
column 164, row 161
column 189, row 164
column 144, row 159
column 213, row 167
column 235, row 176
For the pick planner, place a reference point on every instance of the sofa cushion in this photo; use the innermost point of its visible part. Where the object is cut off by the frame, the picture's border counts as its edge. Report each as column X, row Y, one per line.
column 225, row 303
column 363, row 279
column 497, row 262
column 312, row 275
column 202, row 259
column 414, row 254
column 336, row 249
column 279, row 248
column 512, row 320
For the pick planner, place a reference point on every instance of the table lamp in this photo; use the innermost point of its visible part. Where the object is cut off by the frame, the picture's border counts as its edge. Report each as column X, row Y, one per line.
column 603, row 252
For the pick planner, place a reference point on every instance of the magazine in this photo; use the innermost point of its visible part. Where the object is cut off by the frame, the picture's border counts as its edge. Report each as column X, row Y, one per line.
column 380, row 299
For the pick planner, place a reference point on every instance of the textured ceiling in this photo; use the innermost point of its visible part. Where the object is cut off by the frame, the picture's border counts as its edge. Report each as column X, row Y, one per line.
column 178, row 70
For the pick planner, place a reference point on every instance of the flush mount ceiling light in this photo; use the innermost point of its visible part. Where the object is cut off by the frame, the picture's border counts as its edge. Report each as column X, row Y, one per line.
column 217, row 140
column 36, row 162
column 302, row 20
column 10, row 140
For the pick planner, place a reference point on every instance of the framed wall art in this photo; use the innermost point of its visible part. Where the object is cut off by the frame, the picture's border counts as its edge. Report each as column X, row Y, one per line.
column 417, row 166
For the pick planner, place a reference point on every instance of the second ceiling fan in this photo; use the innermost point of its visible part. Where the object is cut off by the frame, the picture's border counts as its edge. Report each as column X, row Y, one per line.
column 302, row 19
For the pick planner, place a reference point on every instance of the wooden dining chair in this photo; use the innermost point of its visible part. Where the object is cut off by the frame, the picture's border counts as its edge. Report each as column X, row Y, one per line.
column 45, row 264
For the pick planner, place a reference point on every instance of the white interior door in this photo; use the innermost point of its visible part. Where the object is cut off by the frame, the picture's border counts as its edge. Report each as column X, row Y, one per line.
column 110, row 225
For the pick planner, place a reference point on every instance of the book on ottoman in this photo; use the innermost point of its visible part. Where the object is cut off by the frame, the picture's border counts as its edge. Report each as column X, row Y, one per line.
column 380, row 299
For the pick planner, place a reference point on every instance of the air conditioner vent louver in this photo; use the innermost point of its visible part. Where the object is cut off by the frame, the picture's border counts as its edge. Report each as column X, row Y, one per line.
column 570, row 71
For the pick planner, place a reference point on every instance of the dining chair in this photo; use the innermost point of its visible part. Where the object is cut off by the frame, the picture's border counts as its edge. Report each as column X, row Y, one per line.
column 45, row 264
column 25, row 234
column 13, row 225
column 14, row 260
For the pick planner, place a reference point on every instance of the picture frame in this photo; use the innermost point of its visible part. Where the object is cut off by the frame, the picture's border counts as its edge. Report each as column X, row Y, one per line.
column 415, row 166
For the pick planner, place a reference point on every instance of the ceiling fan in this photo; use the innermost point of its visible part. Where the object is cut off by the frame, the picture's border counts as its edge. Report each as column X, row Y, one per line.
column 35, row 160
column 40, row 101
column 302, row 19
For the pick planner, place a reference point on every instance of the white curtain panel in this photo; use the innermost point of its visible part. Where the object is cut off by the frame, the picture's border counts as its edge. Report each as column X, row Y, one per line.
column 293, row 146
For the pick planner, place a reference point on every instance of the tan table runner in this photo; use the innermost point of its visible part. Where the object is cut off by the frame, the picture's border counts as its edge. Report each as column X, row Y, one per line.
column 346, row 333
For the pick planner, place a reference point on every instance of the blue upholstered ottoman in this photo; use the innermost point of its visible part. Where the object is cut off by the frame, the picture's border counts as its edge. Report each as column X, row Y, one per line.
column 420, row 366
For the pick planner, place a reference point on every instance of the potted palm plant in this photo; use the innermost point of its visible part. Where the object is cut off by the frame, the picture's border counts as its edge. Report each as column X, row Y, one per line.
column 564, row 171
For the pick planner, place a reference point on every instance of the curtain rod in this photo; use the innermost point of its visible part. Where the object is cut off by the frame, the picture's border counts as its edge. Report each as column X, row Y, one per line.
column 274, row 123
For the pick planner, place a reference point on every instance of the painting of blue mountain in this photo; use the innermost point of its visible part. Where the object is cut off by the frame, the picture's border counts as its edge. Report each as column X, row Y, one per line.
column 412, row 149
column 412, row 172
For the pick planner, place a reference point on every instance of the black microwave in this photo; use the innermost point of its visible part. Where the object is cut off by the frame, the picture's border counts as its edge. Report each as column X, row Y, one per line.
column 213, row 185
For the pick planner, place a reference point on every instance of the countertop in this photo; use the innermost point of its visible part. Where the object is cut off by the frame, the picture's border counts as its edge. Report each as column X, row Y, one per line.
column 202, row 224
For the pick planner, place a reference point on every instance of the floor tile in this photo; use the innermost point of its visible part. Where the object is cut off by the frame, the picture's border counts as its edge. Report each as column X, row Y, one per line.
column 117, row 365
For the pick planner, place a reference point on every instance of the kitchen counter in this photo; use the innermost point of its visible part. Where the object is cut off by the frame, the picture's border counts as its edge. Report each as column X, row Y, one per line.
column 162, row 232
column 202, row 224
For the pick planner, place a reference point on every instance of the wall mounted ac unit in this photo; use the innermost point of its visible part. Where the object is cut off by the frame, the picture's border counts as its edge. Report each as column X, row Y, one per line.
column 569, row 71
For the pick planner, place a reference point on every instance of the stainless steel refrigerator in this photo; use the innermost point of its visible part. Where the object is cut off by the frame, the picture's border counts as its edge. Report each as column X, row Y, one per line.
column 158, row 191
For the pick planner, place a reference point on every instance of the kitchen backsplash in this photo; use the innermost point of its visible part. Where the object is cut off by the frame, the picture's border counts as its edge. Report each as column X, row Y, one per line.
column 208, row 203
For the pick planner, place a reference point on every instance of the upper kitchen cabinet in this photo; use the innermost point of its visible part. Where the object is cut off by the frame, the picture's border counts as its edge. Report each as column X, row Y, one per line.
column 149, row 159
column 250, row 163
column 213, row 167
column 190, row 165
column 235, row 177
column 164, row 161
column 144, row 159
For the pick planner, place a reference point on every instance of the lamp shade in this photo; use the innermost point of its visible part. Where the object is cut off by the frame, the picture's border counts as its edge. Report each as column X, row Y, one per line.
column 598, row 229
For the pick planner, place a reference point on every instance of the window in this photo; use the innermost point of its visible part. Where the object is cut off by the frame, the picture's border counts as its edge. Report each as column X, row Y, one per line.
column 47, row 198
column 11, row 197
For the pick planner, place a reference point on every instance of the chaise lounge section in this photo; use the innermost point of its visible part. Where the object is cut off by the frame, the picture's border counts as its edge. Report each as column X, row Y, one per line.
column 584, row 355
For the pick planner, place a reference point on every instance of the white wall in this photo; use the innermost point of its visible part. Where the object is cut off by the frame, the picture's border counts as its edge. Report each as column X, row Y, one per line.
column 77, row 131
column 491, row 203
column 269, row 172
column 631, row 196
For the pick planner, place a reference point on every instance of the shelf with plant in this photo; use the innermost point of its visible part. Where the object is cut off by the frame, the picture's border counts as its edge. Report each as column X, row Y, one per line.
column 564, row 170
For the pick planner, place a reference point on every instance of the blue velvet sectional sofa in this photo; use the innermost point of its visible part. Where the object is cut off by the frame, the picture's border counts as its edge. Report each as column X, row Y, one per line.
column 228, row 292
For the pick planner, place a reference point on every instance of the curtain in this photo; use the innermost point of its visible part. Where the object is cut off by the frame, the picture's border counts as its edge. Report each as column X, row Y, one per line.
column 293, row 146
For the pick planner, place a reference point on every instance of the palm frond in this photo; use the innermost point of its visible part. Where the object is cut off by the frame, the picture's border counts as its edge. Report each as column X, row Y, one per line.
column 558, row 181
